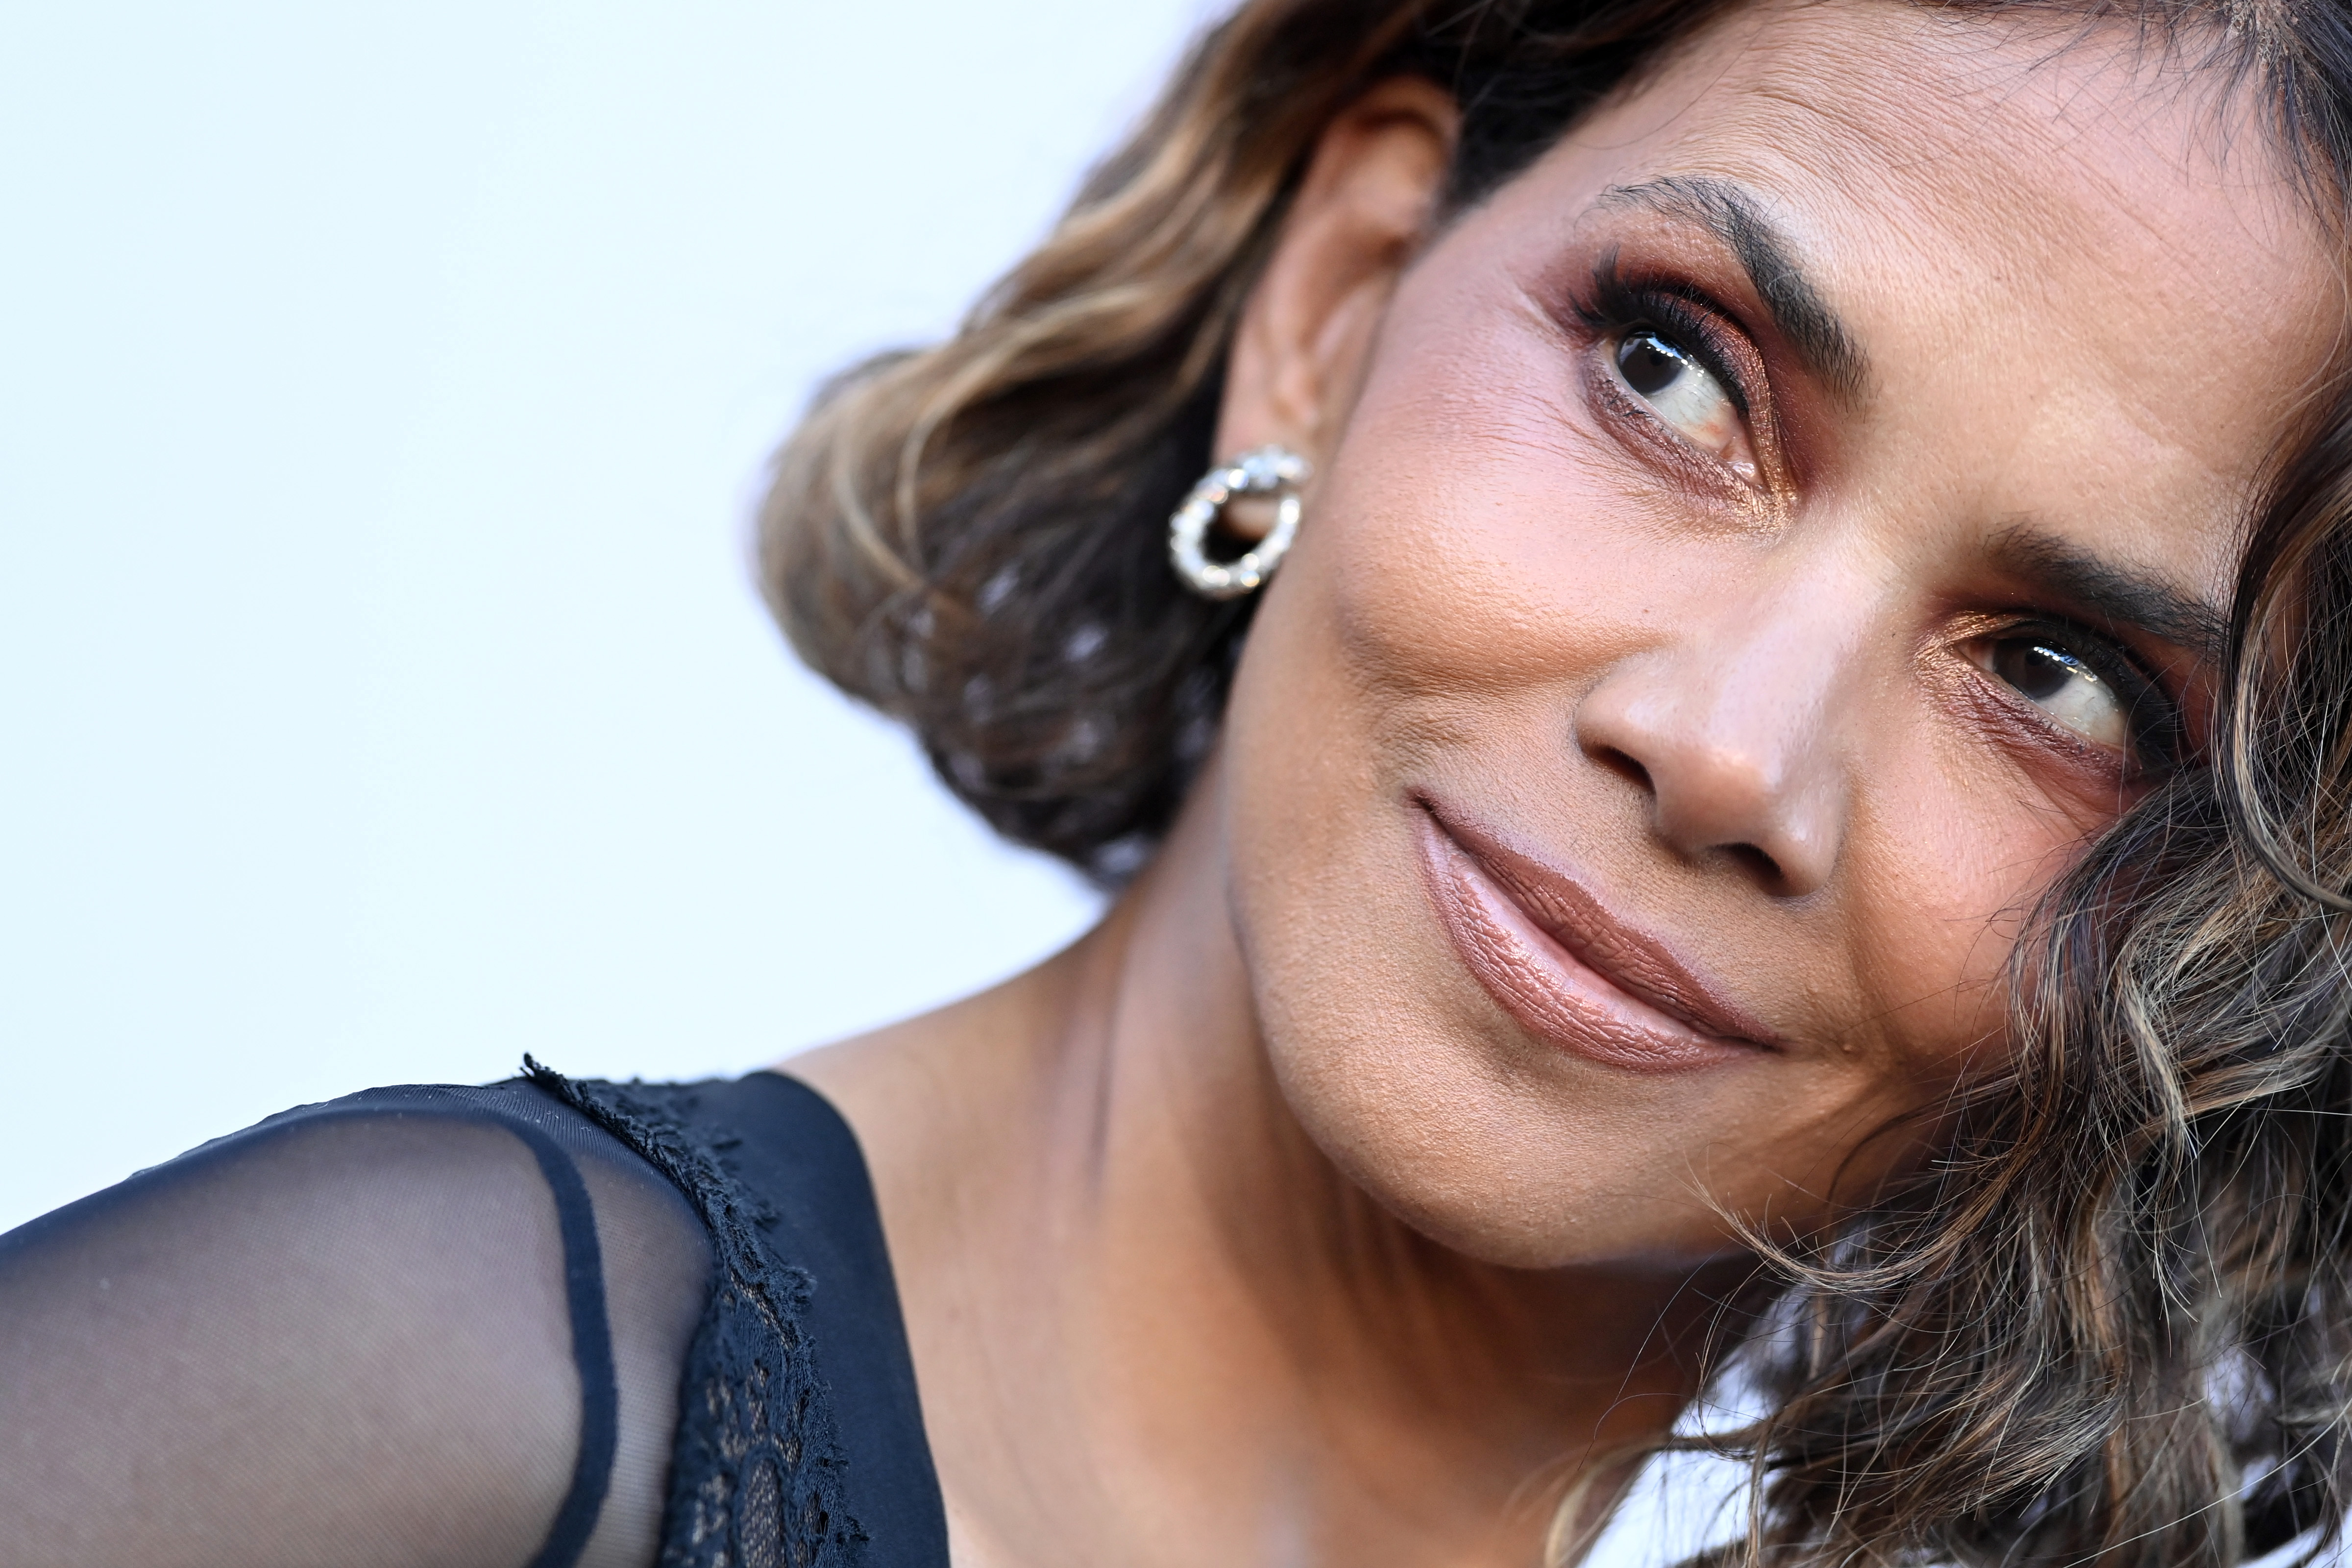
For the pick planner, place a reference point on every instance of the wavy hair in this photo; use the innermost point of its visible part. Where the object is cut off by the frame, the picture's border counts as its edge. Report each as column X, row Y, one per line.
column 2111, row 1322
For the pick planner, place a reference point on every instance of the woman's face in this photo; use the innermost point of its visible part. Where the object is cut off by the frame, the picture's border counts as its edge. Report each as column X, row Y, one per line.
column 1767, row 540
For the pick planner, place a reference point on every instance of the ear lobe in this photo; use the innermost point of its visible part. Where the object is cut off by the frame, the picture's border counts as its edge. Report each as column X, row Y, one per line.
column 1360, row 216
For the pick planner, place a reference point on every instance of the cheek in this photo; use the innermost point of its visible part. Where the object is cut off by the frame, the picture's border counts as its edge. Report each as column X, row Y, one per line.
column 1459, row 577
column 1445, row 579
column 1479, row 541
column 1953, row 849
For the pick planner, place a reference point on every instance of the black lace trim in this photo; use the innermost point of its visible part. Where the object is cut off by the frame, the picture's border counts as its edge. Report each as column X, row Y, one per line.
column 757, row 1471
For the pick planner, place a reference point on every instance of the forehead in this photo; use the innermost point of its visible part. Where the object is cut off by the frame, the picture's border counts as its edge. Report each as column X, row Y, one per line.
column 2075, row 244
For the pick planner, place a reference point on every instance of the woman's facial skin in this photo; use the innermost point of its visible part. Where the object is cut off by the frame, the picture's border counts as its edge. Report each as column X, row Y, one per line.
column 1751, row 554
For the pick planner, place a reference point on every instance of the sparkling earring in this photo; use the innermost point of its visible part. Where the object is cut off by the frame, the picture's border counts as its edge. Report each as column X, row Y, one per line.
column 1269, row 470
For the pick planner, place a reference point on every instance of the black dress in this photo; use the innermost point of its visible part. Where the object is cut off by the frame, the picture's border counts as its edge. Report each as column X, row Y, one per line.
column 544, row 1324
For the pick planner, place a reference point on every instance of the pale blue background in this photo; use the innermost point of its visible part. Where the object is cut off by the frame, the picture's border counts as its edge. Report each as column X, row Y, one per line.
column 382, row 392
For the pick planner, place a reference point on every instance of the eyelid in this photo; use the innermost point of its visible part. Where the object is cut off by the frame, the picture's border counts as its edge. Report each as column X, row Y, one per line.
column 1613, row 303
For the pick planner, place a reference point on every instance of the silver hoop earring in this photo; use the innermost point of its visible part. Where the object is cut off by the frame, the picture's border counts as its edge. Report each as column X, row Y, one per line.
column 1269, row 470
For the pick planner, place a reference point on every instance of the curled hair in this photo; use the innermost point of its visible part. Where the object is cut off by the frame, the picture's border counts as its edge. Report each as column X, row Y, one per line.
column 2112, row 1321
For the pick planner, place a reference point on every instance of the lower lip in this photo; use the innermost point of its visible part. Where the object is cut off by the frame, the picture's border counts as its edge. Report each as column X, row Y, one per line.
column 1550, row 992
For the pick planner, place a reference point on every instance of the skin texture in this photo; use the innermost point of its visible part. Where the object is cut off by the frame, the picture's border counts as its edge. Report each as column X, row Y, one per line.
column 1257, row 1228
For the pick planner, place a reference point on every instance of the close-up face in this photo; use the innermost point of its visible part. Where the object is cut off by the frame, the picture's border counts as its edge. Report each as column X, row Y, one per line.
column 1769, row 539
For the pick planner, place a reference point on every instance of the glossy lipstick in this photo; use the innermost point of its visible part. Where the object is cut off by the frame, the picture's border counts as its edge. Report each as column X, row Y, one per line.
column 1554, row 957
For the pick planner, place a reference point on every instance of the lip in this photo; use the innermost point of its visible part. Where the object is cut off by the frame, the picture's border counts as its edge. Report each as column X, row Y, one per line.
column 1555, row 958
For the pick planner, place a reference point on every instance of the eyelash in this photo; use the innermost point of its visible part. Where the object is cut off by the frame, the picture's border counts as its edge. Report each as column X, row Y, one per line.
column 2156, row 719
column 1615, row 306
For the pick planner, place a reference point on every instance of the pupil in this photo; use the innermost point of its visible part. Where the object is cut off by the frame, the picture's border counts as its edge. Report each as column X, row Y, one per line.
column 1649, row 363
column 2034, row 671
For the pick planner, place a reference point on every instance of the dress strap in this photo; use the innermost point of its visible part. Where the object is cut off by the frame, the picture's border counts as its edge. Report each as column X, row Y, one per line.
column 757, row 1472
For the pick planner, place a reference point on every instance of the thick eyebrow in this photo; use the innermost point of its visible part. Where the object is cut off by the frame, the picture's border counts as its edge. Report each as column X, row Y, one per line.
column 2116, row 594
column 1730, row 212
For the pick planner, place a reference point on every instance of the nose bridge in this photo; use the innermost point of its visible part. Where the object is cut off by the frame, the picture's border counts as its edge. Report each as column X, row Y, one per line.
column 1732, row 722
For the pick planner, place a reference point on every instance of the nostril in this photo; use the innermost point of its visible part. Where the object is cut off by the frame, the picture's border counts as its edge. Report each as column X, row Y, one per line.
column 1756, row 863
column 1624, row 765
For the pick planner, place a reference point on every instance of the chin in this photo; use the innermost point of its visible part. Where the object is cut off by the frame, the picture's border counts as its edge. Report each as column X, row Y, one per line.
column 1489, row 1164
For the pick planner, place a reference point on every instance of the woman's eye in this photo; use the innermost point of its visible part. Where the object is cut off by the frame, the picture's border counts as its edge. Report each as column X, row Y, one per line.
column 2062, row 686
column 1687, row 395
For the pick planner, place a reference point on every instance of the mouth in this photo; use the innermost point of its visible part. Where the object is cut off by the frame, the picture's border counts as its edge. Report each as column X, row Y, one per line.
column 1570, row 971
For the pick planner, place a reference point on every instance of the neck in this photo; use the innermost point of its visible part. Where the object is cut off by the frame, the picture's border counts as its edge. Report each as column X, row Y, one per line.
column 1145, row 1307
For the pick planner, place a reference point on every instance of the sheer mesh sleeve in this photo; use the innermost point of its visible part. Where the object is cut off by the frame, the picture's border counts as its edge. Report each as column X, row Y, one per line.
column 419, row 1326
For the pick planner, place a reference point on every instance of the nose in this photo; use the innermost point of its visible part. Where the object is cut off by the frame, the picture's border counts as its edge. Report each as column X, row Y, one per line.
column 1732, row 736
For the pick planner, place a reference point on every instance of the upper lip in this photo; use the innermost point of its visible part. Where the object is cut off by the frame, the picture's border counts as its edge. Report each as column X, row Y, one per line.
column 1568, row 912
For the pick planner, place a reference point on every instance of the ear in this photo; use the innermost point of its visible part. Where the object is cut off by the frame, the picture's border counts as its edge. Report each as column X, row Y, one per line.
column 1359, row 216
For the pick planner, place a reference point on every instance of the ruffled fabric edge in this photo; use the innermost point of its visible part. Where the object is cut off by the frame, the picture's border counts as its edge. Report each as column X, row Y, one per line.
column 758, row 1471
